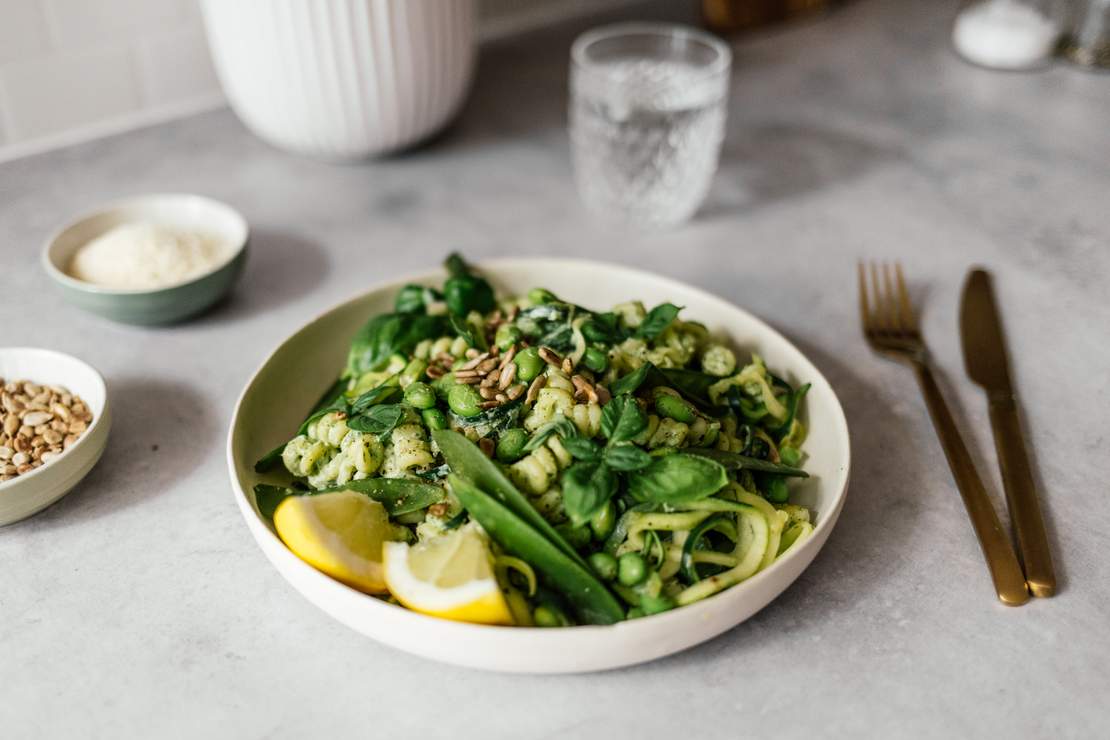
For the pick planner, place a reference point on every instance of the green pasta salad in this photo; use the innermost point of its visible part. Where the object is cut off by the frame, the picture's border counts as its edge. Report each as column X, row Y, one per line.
column 523, row 460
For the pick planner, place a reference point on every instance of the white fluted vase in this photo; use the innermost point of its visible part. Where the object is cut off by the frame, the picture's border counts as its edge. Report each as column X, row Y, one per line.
column 342, row 79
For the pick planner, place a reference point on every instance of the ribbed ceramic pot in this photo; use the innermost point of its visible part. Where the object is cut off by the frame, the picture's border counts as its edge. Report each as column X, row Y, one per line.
column 342, row 79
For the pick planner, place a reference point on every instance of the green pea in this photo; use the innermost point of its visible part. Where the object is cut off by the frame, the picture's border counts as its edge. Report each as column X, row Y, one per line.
column 576, row 537
column 413, row 372
column 507, row 335
column 434, row 419
column 541, row 295
column 595, row 359
column 651, row 586
column 790, row 456
column 656, row 604
column 774, row 489
column 420, row 395
column 603, row 522
column 549, row 615
column 604, row 564
column 464, row 400
column 631, row 569
column 675, row 408
column 510, row 447
column 528, row 364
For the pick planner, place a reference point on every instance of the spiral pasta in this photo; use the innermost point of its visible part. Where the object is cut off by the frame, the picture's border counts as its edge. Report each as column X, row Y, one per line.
column 557, row 397
column 432, row 348
column 537, row 471
column 330, row 454
column 408, row 450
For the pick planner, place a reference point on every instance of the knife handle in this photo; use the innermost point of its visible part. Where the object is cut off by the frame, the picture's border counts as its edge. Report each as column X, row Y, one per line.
column 1009, row 581
column 1021, row 495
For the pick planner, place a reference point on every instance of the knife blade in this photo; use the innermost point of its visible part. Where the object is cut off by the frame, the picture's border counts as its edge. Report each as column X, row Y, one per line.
column 987, row 364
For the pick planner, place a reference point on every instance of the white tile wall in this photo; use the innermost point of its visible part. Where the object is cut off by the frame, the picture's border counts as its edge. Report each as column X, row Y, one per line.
column 74, row 69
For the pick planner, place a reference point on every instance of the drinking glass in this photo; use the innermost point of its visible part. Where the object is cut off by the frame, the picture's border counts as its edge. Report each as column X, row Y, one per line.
column 647, row 116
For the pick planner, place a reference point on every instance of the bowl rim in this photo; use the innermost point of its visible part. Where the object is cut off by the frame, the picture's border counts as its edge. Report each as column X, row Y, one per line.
column 8, row 486
column 59, row 275
column 258, row 528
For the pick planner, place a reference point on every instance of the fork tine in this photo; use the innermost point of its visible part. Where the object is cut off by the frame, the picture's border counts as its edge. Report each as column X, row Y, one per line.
column 896, row 319
column 904, row 298
column 864, row 308
column 881, row 314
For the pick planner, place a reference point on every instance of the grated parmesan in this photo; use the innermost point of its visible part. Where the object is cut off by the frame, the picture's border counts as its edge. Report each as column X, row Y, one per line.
column 143, row 255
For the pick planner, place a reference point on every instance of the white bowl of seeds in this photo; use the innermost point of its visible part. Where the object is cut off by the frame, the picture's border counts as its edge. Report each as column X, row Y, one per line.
column 54, row 422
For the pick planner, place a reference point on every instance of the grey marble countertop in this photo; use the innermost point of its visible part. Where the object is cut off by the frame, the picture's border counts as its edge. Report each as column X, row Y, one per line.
column 138, row 606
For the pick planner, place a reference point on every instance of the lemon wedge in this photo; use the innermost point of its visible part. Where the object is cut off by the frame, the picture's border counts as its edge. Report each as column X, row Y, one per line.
column 450, row 576
column 338, row 533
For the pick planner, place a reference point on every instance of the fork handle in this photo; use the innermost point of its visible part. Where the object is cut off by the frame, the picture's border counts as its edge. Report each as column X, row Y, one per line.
column 1009, row 581
column 1025, row 511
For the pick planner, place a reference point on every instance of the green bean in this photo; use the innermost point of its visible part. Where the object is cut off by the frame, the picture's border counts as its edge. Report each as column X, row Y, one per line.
column 595, row 359
column 464, row 400
column 434, row 419
column 507, row 335
column 541, row 295
column 604, row 565
column 631, row 569
column 528, row 364
column 603, row 522
column 510, row 447
column 413, row 372
column 675, row 408
column 420, row 395
column 549, row 615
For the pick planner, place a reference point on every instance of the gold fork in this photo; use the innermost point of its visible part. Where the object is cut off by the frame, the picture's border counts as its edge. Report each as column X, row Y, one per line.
column 892, row 330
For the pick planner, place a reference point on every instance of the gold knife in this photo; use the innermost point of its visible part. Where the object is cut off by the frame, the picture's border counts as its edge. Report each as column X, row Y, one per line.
column 988, row 365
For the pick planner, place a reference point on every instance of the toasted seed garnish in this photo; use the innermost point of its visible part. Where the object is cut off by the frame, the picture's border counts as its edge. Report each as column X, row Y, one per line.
column 474, row 361
column 568, row 366
column 603, row 395
column 508, row 375
column 486, row 392
column 445, row 359
column 486, row 445
column 471, row 353
column 508, row 356
column 472, row 380
column 501, row 397
column 516, row 391
column 461, row 374
column 550, row 357
column 488, row 404
column 435, row 372
column 489, row 380
column 534, row 389
column 486, row 365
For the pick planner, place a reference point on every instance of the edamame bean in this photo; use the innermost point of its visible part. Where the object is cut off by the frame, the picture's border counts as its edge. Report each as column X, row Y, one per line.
column 576, row 537
column 528, row 364
column 413, row 372
column 631, row 569
column 604, row 564
column 541, row 295
column 549, row 615
column 420, row 395
column 510, row 447
column 464, row 400
column 675, row 408
column 603, row 521
column 595, row 359
column 434, row 419
column 507, row 335
column 656, row 604
column 443, row 386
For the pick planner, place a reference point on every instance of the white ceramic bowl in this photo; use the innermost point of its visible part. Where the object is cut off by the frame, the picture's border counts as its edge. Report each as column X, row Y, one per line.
column 159, row 305
column 290, row 380
column 27, row 494
column 342, row 79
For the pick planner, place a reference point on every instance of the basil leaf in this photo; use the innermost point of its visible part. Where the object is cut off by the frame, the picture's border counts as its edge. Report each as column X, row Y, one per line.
column 548, row 325
column 627, row 457
column 629, row 383
column 386, row 335
column 736, row 461
column 410, row 299
column 267, row 498
column 676, row 479
column 587, row 486
column 657, row 319
column 379, row 420
column 582, row 449
column 622, row 419
column 463, row 329
column 604, row 328
column 464, row 291
column 560, row 425
column 379, row 394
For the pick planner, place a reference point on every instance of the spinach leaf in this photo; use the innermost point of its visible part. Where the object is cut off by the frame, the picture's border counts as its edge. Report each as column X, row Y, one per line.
column 460, row 326
column 464, row 291
column 388, row 390
column 548, row 325
column 566, row 572
column 587, row 486
column 735, row 461
column 626, row 457
column 560, row 425
column 378, row 420
column 270, row 460
column 267, row 498
column 676, row 479
column 604, row 328
column 582, row 448
column 332, row 400
column 386, row 335
column 492, row 421
column 657, row 319
column 692, row 384
column 622, row 419
column 397, row 495
column 631, row 382
column 410, row 299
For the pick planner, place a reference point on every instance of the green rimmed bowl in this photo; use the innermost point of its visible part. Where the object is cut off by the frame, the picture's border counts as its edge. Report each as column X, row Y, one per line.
column 160, row 305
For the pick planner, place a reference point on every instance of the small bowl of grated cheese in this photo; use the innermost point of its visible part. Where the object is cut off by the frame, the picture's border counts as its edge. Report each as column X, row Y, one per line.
column 153, row 259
